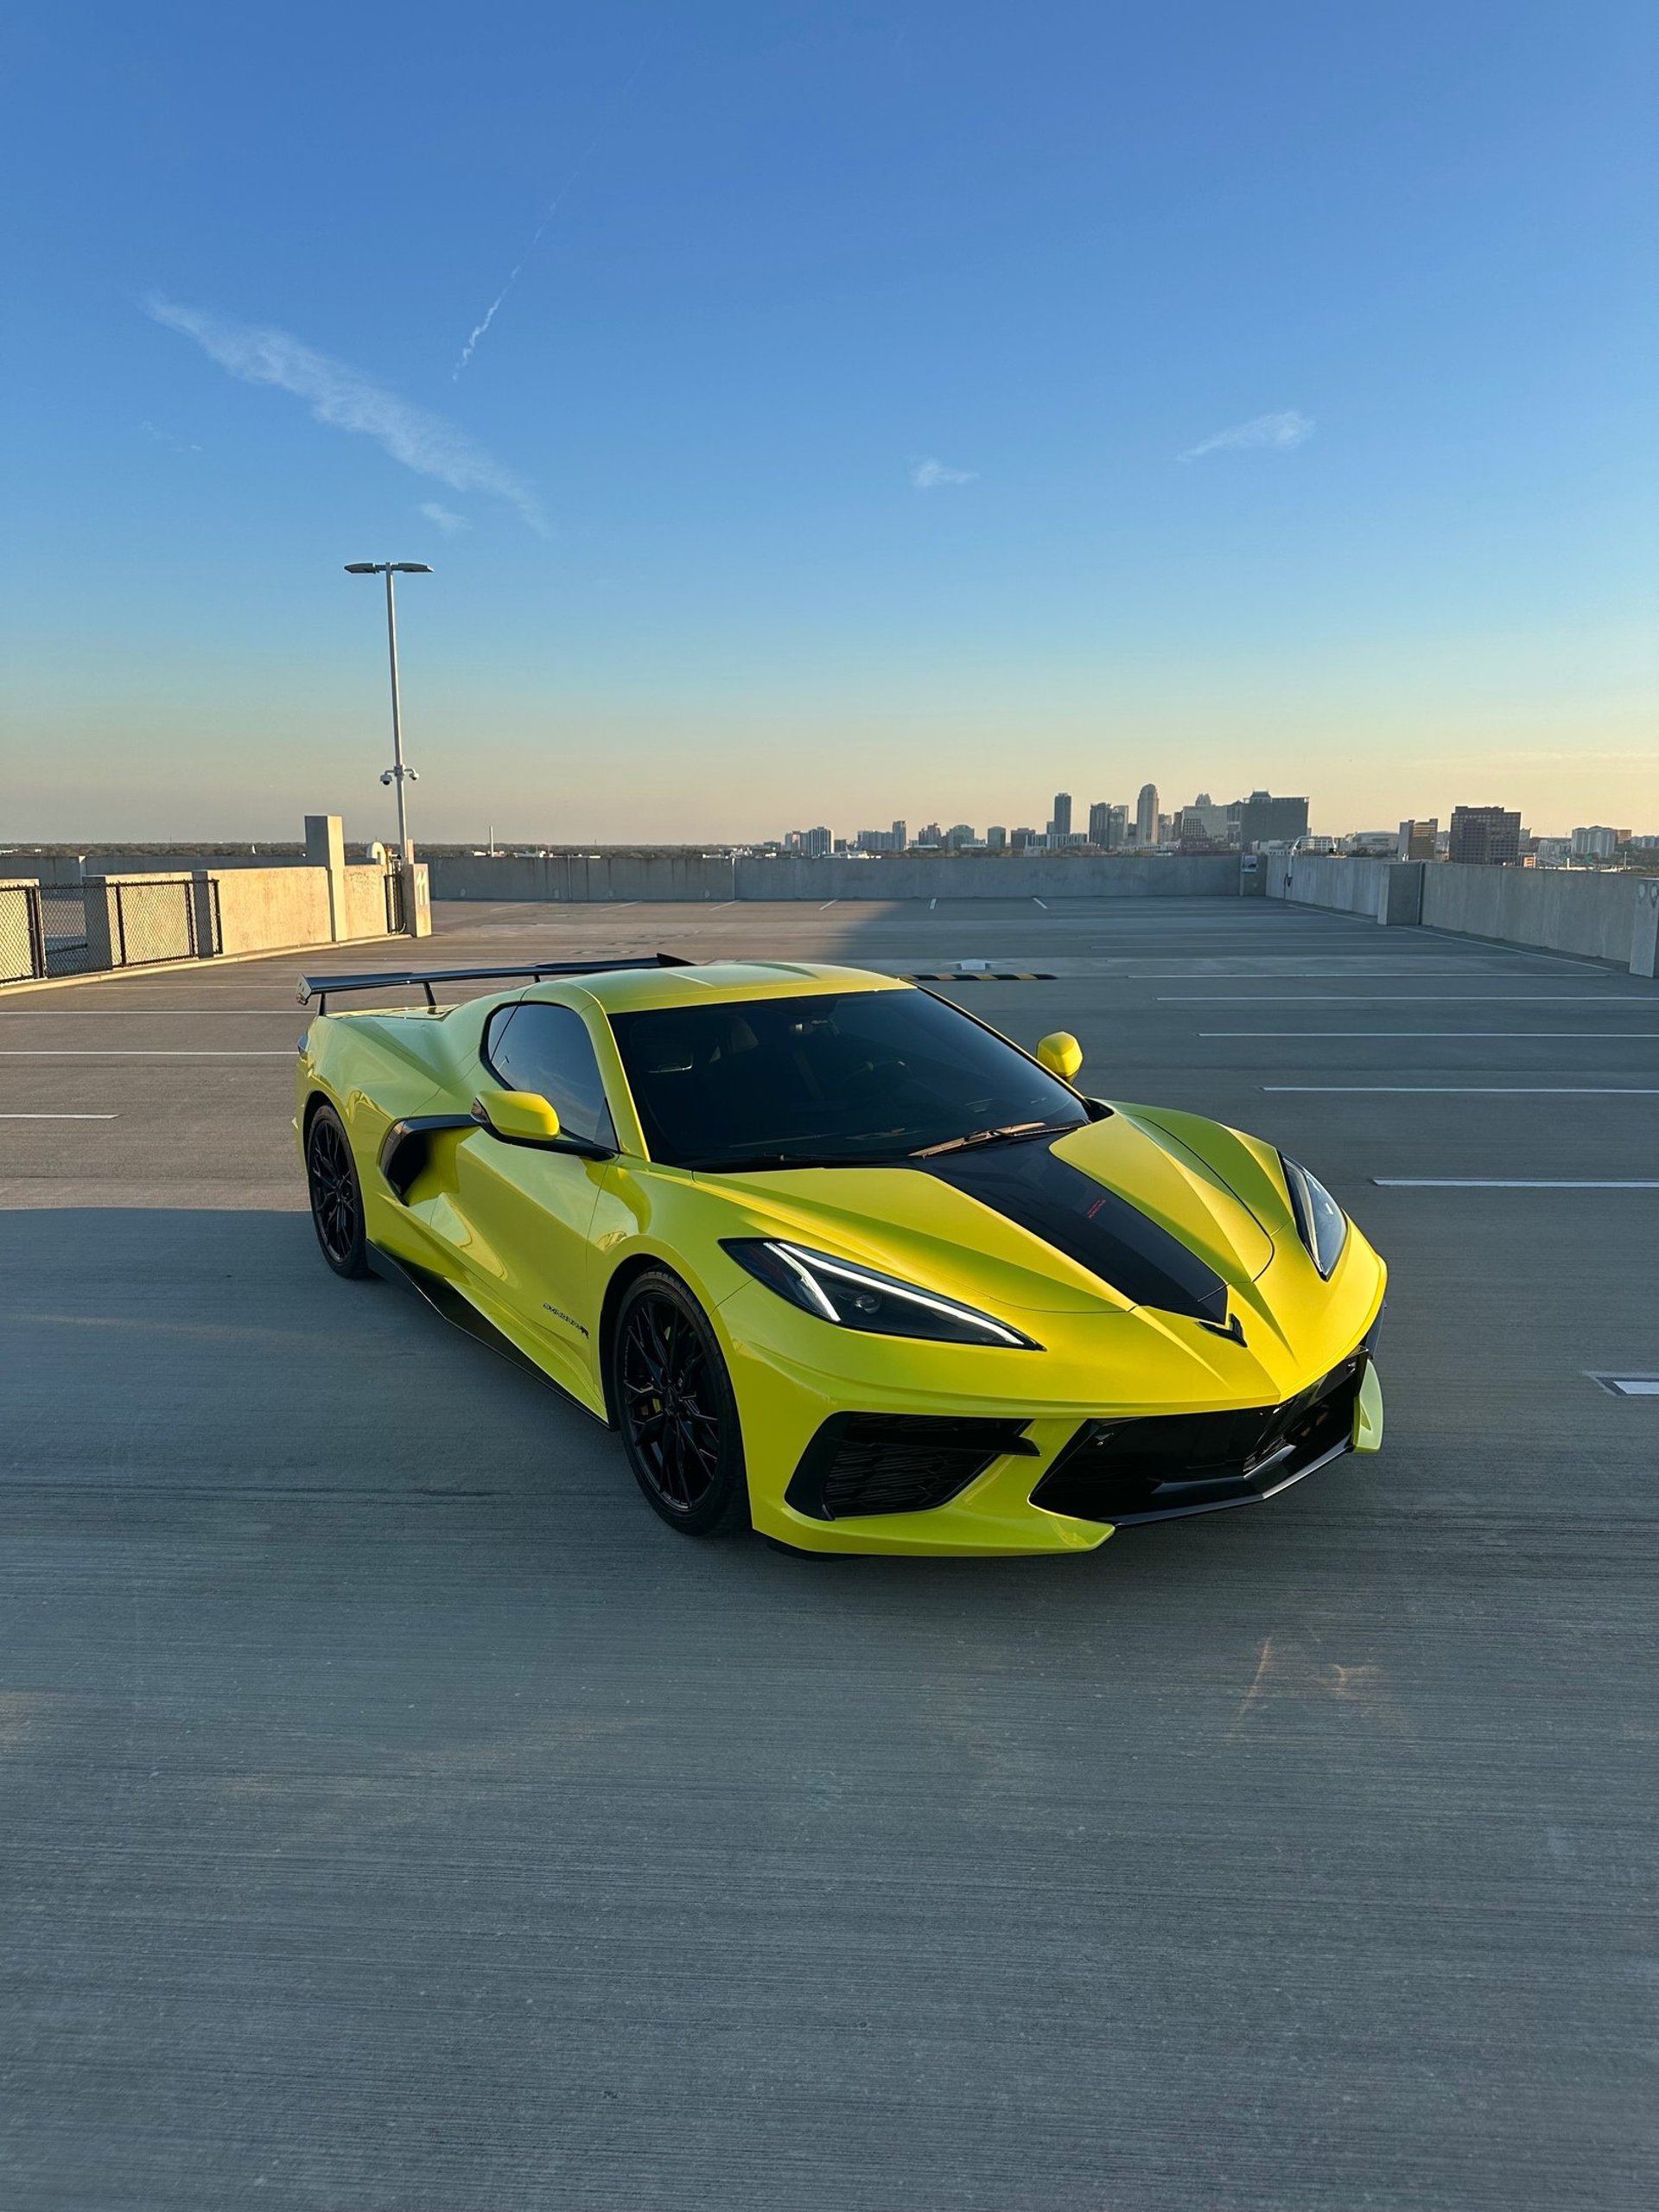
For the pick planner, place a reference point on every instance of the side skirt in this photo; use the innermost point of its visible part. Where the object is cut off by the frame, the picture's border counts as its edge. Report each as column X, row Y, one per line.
column 459, row 1312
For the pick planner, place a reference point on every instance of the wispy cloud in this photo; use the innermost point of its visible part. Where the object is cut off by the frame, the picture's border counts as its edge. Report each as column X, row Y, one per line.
column 348, row 400
column 928, row 476
column 442, row 518
column 1281, row 431
column 166, row 438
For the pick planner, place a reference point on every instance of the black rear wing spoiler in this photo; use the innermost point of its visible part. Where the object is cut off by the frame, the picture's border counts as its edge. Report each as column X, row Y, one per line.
column 319, row 987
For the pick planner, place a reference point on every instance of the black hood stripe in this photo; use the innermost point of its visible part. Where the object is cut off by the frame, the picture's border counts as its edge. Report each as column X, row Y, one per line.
column 1025, row 1183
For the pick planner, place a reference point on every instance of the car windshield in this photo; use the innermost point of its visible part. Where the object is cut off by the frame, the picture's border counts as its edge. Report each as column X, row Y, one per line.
column 828, row 1081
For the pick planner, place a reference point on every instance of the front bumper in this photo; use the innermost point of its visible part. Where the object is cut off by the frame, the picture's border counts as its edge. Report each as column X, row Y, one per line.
column 941, row 1451
column 1174, row 1465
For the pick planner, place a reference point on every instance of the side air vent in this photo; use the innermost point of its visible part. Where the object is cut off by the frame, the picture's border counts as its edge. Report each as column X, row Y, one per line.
column 408, row 1145
column 897, row 1463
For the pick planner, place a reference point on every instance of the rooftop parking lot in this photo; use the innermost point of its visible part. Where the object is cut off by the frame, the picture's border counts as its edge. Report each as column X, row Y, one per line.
column 398, row 1816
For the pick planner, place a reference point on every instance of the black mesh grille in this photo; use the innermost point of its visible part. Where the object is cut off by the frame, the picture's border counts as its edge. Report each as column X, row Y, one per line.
column 1172, row 1464
column 896, row 1463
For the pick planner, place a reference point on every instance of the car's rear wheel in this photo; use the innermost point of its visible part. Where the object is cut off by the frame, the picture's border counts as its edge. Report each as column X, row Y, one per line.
column 336, row 1194
column 675, row 1406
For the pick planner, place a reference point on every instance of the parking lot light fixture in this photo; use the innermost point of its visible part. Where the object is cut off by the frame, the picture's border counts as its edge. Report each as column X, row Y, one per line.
column 399, row 774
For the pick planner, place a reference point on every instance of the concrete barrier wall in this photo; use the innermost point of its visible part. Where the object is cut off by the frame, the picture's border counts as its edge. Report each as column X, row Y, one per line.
column 51, row 871
column 1327, row 880
column 578, row 876
column 647, row 876
column 365, row 901
column 916, row 875
column 263, row 908
column 1596, row 917
column 1561, row 910
column 60, row 869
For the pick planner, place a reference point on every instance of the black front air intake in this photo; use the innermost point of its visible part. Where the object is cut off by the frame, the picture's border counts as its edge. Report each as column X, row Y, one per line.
column 1171, row 1463
column 897, row 1463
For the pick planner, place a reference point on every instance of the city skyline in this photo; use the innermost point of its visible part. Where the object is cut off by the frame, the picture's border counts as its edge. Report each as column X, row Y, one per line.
column 1223, row 407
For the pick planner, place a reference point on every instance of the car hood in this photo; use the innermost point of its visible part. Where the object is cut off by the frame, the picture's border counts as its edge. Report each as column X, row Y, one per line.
column 1115, row 1214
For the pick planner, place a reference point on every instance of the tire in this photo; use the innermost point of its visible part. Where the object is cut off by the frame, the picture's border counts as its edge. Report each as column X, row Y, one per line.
column 676, row 1408
column 336, row 1195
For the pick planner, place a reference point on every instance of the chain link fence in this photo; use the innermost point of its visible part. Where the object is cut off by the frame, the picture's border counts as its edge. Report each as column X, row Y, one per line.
column 22, row 947
column 152, row 922
column 63, row 922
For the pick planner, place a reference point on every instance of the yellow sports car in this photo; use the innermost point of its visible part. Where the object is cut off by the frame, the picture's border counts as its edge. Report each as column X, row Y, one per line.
column 841, row 1263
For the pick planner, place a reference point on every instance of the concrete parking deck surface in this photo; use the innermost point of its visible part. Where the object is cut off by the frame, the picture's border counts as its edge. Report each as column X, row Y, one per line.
column 396, row 1815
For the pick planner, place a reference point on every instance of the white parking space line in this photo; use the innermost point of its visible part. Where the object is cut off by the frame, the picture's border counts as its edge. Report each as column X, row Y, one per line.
column 138, row 1052
column 57, row 1117
column 1445, row 1036
column 931, row 903
column 1043, row 903
column 1506, row 1182
column 1628, row 1386
column 1463, row 1090
column 828, row 904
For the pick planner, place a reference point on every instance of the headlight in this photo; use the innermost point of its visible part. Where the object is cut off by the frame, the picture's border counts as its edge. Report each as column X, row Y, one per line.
column 858, row 1298
column 1320, row 1222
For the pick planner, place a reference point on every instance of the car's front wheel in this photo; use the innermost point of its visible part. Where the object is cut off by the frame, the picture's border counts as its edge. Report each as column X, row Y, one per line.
column 336, row 1194
column 675, row 1406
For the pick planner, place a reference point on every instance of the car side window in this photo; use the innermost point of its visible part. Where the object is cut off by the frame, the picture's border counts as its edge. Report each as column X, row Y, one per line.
column 546, row 1049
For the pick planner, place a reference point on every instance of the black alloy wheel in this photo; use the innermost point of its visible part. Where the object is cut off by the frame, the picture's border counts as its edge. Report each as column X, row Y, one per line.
column 336, row 1194
column 674, row 1404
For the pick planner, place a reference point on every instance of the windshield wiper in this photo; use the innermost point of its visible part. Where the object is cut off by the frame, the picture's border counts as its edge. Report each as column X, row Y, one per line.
column 1014, row 1130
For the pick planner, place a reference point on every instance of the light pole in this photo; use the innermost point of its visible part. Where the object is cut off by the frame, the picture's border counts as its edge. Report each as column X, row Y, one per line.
column 398, row 774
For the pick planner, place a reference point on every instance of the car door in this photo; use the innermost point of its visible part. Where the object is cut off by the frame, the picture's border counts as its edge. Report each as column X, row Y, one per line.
column 529, row 1210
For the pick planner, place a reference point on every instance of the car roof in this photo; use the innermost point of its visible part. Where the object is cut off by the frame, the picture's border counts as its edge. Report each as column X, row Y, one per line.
column 631, row 990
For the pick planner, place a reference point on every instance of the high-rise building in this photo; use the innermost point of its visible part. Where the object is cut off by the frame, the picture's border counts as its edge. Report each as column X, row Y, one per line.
column 901, row 837
column 1166, row 829
column 1099, row 822
column 1264, row 820
column 1118, row 828
column 1598, row 842
column 1418, row 839
column 997, row 837
column 930, row 833
column 1485, row 836
column 958, row 835
column 1021, row 839
column 815, row 843
column 1146, row 816
column 1061, row 825
column 1205, row 823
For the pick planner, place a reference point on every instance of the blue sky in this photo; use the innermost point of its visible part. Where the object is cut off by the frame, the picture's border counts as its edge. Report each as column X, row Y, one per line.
column 852, row 439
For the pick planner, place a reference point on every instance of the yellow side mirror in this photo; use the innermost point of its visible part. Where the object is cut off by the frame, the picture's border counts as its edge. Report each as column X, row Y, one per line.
column 1061, row 1054
column 517, row 1116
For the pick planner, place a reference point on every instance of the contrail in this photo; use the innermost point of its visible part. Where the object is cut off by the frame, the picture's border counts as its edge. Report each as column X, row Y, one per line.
column 553, row 206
